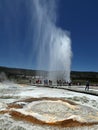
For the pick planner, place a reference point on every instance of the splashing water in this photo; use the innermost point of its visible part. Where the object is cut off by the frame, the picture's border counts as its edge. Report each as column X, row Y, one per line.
column 51, row 42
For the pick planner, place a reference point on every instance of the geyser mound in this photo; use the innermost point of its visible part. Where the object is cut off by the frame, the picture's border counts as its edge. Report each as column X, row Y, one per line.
column 52, row 111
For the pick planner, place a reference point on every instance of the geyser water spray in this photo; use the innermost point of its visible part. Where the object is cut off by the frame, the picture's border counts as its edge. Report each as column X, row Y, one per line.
column 52, row 44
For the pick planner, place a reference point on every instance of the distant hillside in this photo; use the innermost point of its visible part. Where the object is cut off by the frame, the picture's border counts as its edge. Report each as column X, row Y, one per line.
column 15, row 73
column 18, row 71
column 82, row 76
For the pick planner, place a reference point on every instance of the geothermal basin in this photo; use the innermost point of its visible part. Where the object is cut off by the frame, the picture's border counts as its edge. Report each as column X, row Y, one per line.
column 39, row 108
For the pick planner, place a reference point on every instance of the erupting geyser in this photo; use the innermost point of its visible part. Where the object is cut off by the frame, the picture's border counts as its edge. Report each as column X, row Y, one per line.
column 51, row 42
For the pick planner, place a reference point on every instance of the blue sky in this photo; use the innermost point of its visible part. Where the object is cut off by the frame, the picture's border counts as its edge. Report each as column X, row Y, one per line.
column 79, row 17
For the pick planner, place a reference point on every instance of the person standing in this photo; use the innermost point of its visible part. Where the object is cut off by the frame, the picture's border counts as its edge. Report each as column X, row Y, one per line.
column 87, row 86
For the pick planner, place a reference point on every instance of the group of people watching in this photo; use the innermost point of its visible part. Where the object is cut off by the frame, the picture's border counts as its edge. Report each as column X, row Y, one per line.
column 47, row 82
column 61, row 83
